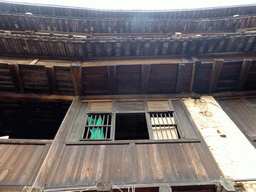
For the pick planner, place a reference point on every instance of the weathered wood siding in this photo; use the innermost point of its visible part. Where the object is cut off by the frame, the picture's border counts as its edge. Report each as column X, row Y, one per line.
column 242, row 112
column 19, row 164
column 123, row 164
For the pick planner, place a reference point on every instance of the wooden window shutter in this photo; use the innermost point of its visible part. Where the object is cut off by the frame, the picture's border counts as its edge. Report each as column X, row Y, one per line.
column 183, row 120
column 154, row 106
column 129, row 106
column 97, row 107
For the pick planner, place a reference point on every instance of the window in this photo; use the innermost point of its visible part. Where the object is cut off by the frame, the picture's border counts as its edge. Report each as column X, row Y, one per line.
column 98, row 126
column 31, row 119
column 163, row 126
column 127, row 120
column 131, row 126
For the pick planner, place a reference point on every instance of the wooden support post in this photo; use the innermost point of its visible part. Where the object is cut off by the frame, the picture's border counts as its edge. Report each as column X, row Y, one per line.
column 112, row 79
column 76, row 73
column 15, row 73
column 216, row 70
column 145, row 74
column 243, row 74
column 192, row 77
column 180, row 77
column 51, row 79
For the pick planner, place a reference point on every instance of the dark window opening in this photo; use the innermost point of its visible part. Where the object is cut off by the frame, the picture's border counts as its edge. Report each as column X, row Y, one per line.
column 131, row 127
column 98, row 126
column 31, row 119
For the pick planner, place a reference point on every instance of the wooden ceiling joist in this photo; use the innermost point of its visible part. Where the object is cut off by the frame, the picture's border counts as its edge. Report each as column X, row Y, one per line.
column 180, row 77
column 243, row 74
column 216, row 70
column 145, row 75
column 76, row 74
column 51, row 79
column 14, row 69
column 112, row 79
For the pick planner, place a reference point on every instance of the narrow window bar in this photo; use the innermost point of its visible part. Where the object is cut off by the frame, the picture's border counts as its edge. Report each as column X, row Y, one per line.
column 159, row 126
column 154, row 126
column 103, row 124
column 107, row 126
column 95, row 117
column 164, row 126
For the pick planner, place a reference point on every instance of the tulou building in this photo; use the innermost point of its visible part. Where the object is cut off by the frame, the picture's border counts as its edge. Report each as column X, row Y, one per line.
column 127, row 101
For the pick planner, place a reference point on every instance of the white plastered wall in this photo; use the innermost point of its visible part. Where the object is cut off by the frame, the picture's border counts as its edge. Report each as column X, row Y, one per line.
column 234, row 154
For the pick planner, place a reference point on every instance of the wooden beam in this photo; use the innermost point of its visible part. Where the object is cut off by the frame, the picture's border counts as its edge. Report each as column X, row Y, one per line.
column 51, row 79
column 49, row 98
column 145, row 74
column 243, row 74
column 180, row 77
column 112, row 79
column 76, row 74
column 216, row 70
column 15, row 73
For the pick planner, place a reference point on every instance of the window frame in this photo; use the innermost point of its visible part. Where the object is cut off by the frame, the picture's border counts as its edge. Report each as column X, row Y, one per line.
column 111, row 127
column 146, row 111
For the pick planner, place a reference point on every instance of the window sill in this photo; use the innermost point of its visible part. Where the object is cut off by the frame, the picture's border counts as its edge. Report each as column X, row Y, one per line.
column 123, row 142
column 25, row 141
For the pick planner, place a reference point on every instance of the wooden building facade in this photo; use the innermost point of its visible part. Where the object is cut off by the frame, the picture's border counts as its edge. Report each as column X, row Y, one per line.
column 93, row 100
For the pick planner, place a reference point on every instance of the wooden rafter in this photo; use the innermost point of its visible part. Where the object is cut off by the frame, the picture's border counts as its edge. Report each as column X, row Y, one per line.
column 51, row 79
column 243, row 74
column 216, row 70
column 15, row 73
column 180, row 77
column 76, row 74
column 145, row 74
column 112, row 79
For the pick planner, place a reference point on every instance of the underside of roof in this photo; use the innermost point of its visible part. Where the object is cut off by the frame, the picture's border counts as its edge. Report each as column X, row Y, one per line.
column 76, row 51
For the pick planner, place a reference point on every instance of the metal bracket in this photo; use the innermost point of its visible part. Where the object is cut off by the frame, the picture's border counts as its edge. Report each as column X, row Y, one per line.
column 225, row 185
column 104, row 186
column 165, row 188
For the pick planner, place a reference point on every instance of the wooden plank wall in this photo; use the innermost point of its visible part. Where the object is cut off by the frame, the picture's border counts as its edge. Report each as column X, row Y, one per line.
column 20, row 163
column 122, row 163
column 242, row 112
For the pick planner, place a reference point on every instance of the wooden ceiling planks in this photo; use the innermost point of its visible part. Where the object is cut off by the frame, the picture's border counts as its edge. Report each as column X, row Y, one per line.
column 6, row 80
column 34, row 79
column 250, row 83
